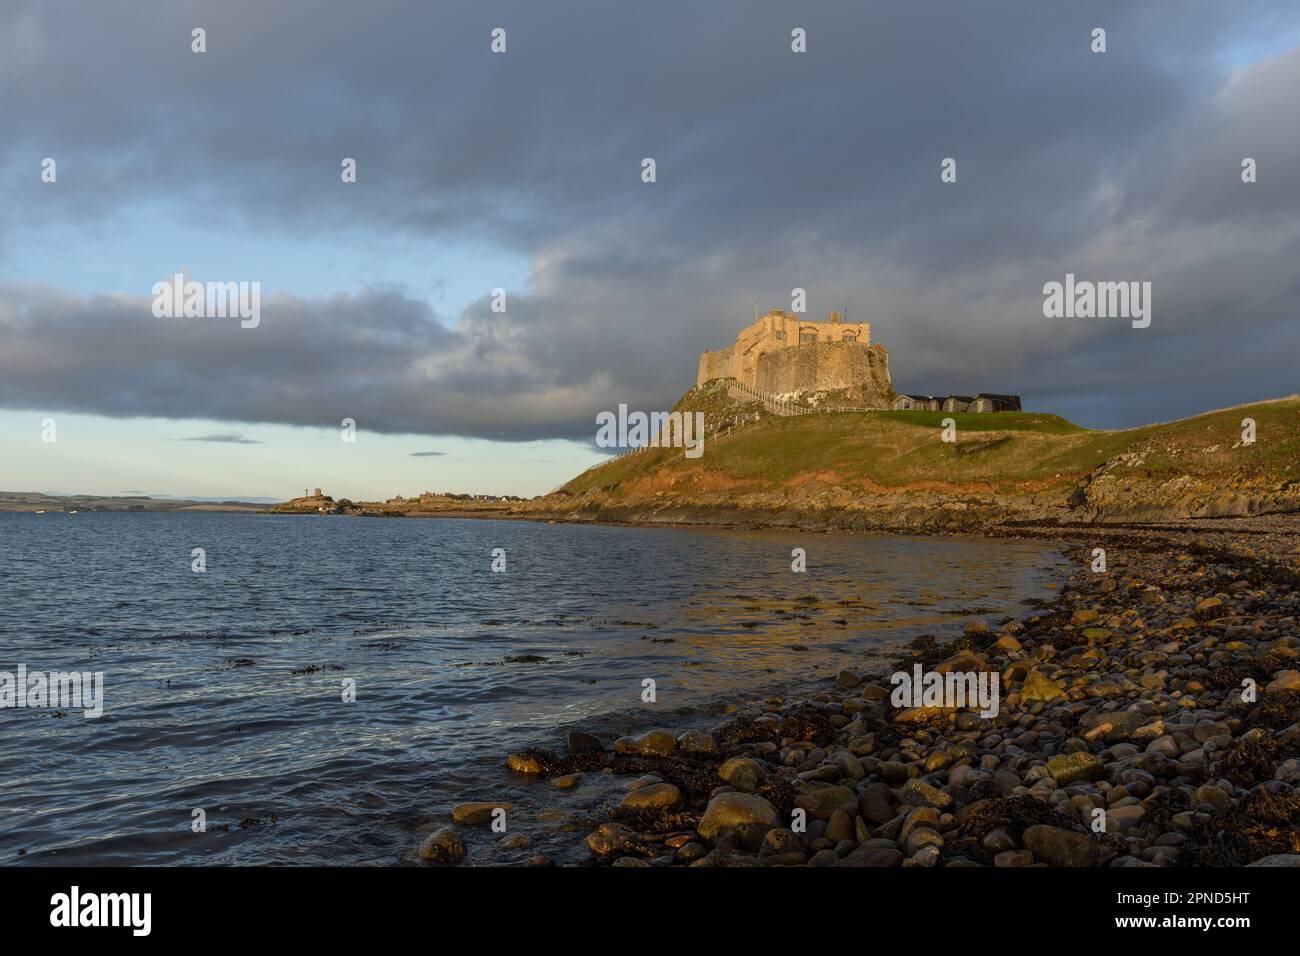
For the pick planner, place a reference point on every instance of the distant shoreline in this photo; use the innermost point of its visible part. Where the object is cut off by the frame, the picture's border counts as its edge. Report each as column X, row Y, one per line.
column 12, row 502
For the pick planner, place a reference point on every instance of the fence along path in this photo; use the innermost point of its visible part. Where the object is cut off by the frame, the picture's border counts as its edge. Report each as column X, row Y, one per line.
column 778, row 406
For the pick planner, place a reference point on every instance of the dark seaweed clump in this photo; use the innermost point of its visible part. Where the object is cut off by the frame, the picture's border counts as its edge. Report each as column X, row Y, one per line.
column 1263, row 824
column 1251, row 759
column 1012, row 814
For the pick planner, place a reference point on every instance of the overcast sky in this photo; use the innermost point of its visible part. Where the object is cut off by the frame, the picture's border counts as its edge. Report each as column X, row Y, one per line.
column 522, row 170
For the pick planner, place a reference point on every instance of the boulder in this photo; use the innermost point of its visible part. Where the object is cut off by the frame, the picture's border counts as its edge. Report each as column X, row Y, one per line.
column 743, row 773
column 443, row 845
column 656, row 798
column 746, row 816
column 916, row 792
column 1287, row 680
column 1067, row 768
column 477, row 814
column 656, row 743
column 613, row 839
column 1057, row 847
column 1037, row 687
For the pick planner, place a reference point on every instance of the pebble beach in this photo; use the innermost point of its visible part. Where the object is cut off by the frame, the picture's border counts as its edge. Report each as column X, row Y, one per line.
column 1149, row 715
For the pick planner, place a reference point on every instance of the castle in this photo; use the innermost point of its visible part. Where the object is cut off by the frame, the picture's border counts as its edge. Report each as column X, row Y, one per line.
column 787, row 356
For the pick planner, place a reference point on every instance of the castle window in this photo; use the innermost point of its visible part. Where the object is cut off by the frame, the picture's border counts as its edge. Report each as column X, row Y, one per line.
column 807, row 337
column 849, row 337
column 779, row 336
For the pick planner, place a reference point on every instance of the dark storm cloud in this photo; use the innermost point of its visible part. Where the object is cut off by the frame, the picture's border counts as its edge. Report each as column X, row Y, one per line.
column 775, row 170
column 378, row 358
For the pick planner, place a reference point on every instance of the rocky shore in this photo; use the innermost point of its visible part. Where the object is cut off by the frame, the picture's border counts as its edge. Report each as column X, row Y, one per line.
column 1149, row 715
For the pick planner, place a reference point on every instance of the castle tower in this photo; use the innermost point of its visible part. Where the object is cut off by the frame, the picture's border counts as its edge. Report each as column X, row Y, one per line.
column 777, row 331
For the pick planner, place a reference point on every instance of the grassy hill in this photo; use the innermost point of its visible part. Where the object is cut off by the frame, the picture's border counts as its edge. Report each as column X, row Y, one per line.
column 885, row 467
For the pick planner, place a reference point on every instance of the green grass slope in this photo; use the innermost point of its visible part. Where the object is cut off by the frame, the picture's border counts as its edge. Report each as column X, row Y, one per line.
column 1184, row 465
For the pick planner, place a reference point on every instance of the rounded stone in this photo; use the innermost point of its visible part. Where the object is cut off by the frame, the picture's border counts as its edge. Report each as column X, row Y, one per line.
column 743, row 773
column 443, row 845
column 656, row 798
column 746, row 815
column 651, row 743
column 478, row 814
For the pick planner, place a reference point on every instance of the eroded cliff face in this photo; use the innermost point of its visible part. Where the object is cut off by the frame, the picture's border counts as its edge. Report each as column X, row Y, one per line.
column 1120, row 491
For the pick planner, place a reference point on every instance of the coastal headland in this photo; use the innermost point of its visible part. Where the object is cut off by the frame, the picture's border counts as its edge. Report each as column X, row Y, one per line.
column 1147, row 709
column 892, row 471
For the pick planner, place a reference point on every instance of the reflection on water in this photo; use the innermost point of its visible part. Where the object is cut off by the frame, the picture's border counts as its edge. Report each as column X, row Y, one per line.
column 224, row 690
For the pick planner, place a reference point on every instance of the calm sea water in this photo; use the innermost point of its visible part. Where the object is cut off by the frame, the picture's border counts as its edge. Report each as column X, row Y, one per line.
column 224, row 690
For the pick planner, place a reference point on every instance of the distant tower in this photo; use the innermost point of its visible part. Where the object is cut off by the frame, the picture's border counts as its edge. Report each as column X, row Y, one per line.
column 318, row 494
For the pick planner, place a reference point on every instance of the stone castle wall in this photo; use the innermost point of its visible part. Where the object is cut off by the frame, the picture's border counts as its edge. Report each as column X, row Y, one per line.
column 787, row 355
column 774, row 332
column 718, row 364
column 862, row 370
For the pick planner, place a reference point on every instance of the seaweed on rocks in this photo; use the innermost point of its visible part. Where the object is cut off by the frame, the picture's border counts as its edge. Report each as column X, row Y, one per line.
column 1064, row 640
column 694, row 774
column 926, row 655
column 744, row 730
column 1164, row 806
column 553, row 765
column 808, row 723
column 1276, row 710
column 1069, row 720
column 656, row 821
column 1263, row 824
column 1273, row 661
column 1251, row 759
column 887, row 735
column 780, row 794
column 1226, row 677
column 1012, row 814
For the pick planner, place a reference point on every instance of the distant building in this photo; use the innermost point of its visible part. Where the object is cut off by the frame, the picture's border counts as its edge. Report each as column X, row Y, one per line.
column 917, row 403
column 985, row 402
column 982, row 403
